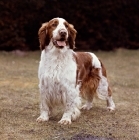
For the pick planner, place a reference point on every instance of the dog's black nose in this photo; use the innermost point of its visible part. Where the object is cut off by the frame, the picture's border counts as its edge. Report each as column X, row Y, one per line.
column 62, row 32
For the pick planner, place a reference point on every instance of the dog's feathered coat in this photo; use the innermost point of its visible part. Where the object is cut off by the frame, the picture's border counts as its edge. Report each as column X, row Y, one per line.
column 65, row 75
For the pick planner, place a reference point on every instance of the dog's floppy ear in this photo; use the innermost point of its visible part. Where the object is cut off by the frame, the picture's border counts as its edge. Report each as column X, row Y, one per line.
column 72, row 36
column 43, row 36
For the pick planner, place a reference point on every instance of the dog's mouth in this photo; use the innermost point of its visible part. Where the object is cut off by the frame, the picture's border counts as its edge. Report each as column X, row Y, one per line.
column 60, row 43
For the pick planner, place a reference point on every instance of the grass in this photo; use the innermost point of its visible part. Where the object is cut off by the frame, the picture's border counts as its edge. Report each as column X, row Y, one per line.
column 19, row 101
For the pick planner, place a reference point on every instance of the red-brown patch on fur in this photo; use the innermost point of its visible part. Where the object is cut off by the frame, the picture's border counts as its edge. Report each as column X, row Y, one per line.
column 52, row 26
column 72, row 34
column 42, row 35
column 45, row 32
column 87, row 75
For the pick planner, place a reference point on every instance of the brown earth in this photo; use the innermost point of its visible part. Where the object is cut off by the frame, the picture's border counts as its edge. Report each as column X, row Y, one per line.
column 19, row 101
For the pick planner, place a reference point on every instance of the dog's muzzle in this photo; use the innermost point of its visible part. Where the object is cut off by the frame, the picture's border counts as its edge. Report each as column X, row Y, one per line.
column 61, row 42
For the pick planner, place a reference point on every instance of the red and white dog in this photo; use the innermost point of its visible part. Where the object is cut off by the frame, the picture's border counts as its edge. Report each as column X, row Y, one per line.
column 65, row 76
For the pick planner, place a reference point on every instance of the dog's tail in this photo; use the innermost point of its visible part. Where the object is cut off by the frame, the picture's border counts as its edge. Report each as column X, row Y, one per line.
column 102, row 90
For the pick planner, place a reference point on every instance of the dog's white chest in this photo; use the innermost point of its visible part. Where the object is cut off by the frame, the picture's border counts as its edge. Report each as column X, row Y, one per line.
column 59, row 68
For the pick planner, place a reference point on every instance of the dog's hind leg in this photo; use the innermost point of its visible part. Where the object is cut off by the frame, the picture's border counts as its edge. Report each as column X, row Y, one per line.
column 89, row 100
column 110, row 103
column 104, row 93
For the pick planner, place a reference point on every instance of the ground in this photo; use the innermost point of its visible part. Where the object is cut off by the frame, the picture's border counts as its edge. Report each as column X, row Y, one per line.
column 19, row 101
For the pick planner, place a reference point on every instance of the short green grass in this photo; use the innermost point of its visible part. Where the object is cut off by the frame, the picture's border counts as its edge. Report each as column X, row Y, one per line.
column 19, row 101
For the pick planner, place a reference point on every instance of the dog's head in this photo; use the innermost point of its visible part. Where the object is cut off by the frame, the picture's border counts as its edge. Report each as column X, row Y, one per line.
column 59, row 32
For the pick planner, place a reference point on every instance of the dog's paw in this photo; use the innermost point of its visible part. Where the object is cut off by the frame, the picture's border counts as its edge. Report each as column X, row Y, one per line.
column 42, row 119
column 87, row 106
column 111, row 108
column 65, row 121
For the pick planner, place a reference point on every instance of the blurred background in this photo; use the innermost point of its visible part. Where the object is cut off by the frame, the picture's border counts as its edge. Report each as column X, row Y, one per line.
column 101, row 25
column 109, row 25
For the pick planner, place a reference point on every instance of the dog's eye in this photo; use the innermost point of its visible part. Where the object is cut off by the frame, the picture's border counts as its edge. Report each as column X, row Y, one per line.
column 54, row 24
column 66, row 25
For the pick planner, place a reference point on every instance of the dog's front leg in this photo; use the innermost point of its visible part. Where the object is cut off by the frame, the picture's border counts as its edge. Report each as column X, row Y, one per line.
column 44, row 116
column 66, row 118
column 72, row 105
column 71, row 112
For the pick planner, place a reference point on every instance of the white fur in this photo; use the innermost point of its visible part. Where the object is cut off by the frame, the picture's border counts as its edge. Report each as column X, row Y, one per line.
column 87, row 106
column 57, row 82
column 102, row 90
column 59, row 27
column 57, row 75
column 95, row 61
column 111, row 104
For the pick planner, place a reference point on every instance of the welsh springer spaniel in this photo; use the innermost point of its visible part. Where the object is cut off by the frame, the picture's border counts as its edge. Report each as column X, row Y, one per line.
column 65, row 76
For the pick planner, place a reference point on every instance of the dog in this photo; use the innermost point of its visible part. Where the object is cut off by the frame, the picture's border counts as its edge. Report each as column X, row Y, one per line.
column 66, row 76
